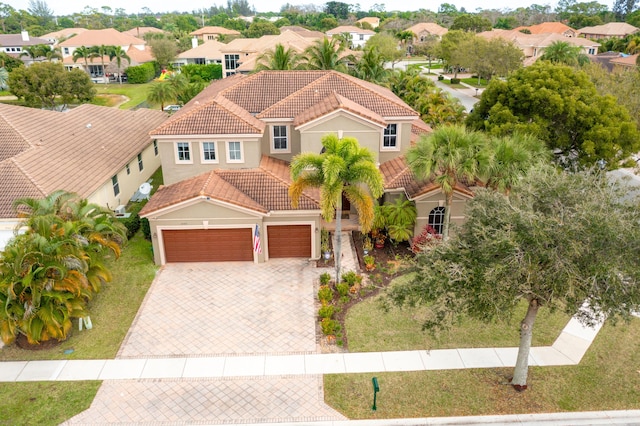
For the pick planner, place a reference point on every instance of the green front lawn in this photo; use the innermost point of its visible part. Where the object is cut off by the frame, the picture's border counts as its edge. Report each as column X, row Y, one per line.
column 608, row 378
column 112, row 310
column 370, row 329
column 111, row 94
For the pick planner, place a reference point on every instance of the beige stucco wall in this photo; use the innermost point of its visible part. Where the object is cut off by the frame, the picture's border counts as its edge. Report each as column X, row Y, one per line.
column 129, row 183
column 210, row 214
column 294, row 142
column 175, row 172
column 425, row 204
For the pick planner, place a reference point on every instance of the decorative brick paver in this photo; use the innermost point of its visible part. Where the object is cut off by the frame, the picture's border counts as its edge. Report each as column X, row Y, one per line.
column 200, row 401
column 197, row 309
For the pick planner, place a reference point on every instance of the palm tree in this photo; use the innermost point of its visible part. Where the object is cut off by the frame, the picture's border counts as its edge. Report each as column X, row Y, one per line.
column 371, row 66
column 53, row 53
column 561, row 52
column 278, row 58
column 633, row 45
column 344, row 167
column 100, row 52
column 82, row 52
column 119, row 54
column 34, row 52
column 449, row 156
column 161, row 93
column 510, row 157
column 326, row 54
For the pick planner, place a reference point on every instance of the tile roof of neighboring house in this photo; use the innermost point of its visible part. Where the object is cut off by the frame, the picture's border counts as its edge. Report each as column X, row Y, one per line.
column 349, row 29
column 63, row 33
column 77, row 150
column 214, row 30
column 208, row 49
column 108, row 37
column 139, row 32
column 237, row 104
column 419, row 128
column 262, row 189
column 536, row 40
column 139, row 56
column 374, row 21
column 610, row 29
column 626, row 61
column 430, row 27
column 548, row 27
column 15, row 184
column 398, row 175
column 302, row 31
column 9, row 40
column 288, row 39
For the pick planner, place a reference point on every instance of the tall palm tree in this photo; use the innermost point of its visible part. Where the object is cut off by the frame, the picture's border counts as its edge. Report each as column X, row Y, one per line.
column 119, row 54
column 53, row 53
column 35, row 51
column 510, row 157
column 82, row 52
column 326, row 54
column 278, row 58
column 100, row 52
column 161, row 93
column 449, row 156
column 344, row 167
column 371, row 66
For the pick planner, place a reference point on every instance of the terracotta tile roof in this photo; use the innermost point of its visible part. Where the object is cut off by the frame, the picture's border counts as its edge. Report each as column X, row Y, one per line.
column 536, row 40
column 548, row 27
column 108, row 37
column 138, row 56
column 139, row 32
column 626, row 61
column 430, row 27
column 77, row 150
column 335, row 102
column 208, row 49
column 214, row 30
column 419, row 128
column 13, row 185
column 218, row 117
column 370, row 96
column 397, row 175
column 349, row 29
column 263, row 189
column 65, row 32
column 302, row 31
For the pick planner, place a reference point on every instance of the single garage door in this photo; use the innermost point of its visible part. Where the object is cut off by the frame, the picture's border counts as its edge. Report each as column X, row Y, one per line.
column 289, row 241
column 207, row 245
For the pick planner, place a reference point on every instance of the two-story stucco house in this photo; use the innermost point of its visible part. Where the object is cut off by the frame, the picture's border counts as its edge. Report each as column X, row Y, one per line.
column 357, row 36
column 226, row 155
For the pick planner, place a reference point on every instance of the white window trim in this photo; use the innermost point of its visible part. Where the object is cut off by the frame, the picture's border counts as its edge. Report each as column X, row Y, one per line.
column 175, row 151
column 388, row 148
column 215, row 148
column 229, row 160
column 273, row 143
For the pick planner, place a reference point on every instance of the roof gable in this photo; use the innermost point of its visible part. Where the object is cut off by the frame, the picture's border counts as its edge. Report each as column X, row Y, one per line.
column 335, row 102
column 107, row 36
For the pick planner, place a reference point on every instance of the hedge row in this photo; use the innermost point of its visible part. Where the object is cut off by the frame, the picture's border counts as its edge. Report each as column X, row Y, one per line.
column 141, row 74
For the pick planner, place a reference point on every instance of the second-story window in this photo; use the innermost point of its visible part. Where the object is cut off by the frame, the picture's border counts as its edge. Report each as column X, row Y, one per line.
column 183, row 153
column 280, row 139
column 390, row 137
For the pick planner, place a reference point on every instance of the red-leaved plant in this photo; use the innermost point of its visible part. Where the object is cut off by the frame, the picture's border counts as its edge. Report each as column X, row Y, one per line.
column 425, row 240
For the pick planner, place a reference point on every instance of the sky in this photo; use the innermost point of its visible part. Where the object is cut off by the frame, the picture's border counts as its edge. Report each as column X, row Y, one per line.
column 68, row 7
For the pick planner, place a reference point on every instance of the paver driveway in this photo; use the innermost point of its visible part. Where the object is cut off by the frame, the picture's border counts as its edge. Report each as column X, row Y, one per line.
column 196, row 309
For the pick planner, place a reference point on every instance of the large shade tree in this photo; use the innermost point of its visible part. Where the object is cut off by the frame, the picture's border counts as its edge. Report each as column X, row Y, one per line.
column 562, row 241
column 560, row 106
column 344, row 167
column 48, row 273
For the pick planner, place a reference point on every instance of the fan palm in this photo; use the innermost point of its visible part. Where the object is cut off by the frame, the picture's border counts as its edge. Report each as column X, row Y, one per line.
column 344, row 167
column 161, row 93
column 449, row 156
column 279, row 58
column 326, row 54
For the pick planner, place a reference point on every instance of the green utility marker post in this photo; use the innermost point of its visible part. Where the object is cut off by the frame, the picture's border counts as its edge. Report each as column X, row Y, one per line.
column 376, row 389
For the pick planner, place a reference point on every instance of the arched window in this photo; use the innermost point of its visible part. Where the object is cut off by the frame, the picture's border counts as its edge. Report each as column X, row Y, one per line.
column 436, row 219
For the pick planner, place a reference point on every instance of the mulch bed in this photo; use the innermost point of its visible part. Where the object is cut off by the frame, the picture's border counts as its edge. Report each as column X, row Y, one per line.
column 388, row 266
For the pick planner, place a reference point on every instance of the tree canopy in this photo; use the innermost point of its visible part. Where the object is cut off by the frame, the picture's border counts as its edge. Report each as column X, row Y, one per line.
column 560, row 106
column 559, row 241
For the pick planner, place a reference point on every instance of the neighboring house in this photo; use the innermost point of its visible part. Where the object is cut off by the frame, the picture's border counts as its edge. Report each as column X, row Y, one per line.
column 63, row 34
column 106, row 37
column 610, row 30
column 226, row 154
column 101, row 153
column 14, row 44
column 371, row 20
column 425, row 30
column 550, row 28
column 213, row 33
column 241, row 54
column 605, row 59
column 208, row 52
column 625, row 62
column 139, row 32
column 533, row 45
column 302, row 31
column 357, row 35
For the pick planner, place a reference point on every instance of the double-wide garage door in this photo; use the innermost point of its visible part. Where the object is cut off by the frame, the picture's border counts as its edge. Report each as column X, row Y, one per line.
column 225, row 245
column 207, row 245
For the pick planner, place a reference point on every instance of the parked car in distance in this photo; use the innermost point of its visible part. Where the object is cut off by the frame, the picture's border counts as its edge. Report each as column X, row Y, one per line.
column 172, row 107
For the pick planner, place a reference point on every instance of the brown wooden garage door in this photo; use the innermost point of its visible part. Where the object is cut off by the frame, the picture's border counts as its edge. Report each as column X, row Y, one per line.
column 207, row 245
column 289, row 241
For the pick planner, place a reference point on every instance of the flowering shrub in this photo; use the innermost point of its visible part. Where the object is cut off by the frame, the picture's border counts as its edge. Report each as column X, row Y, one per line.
column 425, row 240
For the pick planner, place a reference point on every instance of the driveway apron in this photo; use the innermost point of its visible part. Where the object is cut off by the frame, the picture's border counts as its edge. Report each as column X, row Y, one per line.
column 210, row 309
